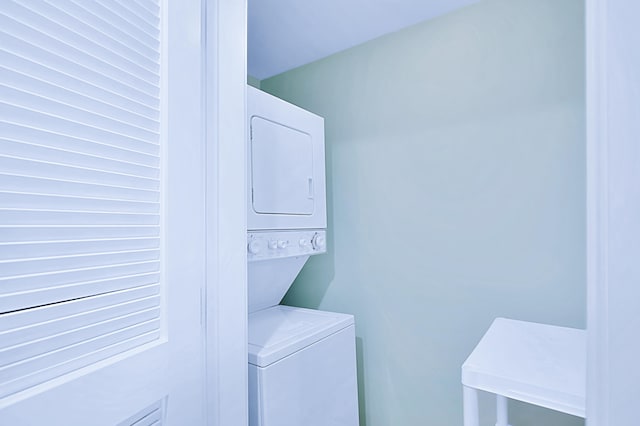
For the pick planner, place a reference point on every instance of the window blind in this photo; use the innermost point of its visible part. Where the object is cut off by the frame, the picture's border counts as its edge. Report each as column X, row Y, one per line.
column 80, row 184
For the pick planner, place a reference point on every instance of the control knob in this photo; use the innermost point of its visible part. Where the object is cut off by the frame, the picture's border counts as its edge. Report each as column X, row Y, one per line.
column 304, row 243
column 256, row 246
column 319, row 242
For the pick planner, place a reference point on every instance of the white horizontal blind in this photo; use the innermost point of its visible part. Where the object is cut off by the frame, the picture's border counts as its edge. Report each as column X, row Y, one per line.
column 79, row 184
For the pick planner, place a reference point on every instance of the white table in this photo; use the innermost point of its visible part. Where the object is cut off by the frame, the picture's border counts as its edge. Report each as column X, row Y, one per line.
column 539, row 364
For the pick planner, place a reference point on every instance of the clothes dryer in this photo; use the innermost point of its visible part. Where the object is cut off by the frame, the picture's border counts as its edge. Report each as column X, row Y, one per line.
column 286, row 204
column 286, row 167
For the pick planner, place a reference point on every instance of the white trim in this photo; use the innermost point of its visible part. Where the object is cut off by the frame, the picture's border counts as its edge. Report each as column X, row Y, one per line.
column 597, row 216
column 164, row 179
column 226, row 292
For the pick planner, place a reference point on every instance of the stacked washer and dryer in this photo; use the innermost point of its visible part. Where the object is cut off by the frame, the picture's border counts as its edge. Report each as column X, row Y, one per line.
column 302, row 364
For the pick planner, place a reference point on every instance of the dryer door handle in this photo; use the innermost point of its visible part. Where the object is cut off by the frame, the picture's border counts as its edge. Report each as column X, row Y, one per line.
column 310, row 180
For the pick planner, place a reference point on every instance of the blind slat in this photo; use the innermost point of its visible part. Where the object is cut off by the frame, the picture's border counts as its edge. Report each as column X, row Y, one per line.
column 42, row 154
column 108, row 95
column 97, row 28
column 33, row 172
column 77, row 204
column 114, row 186
column 14, row 216
column 89, row 31
column 75, row 277
column 36, row 233
column 36, row 373
column 19, row 48
column 37, row 103
column 60, row 124
column 50, row 294
column 116, row 22
column 40, row 249
column 29, row 365
column 52, row 342
column 86, row 59
column 49, row 313
column 150, row 15
column 22, row 83
column 38, row 266
column 150, row 5
column 145, row 22
column 42, row 18
column 41, row 330
column 59, row 146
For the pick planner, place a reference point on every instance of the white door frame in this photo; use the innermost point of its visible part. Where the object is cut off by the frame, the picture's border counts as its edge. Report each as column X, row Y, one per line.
column 225, row 72
column 596, row 215
column 613, row 212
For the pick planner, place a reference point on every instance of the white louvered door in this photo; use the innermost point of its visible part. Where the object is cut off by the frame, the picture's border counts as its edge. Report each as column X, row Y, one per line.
column 91, row 319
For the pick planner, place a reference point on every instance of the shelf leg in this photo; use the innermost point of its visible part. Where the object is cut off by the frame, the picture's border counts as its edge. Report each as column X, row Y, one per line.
column 502, row 411
column 470, row 405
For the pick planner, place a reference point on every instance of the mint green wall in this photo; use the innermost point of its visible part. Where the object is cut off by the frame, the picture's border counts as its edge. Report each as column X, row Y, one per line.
column 456, row 179
column 252, row 81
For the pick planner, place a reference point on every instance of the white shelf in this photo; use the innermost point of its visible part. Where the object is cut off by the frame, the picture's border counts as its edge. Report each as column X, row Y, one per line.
column 535, row 363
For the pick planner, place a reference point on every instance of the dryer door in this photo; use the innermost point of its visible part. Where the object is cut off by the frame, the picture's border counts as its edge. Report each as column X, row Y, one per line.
column 281, row 169
column 285, row 165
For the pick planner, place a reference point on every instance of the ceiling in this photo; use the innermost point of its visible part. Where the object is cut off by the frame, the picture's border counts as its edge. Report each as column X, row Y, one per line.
column 285, row 34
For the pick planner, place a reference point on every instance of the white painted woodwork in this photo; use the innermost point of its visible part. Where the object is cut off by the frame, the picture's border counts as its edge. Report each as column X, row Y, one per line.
column 613, row 239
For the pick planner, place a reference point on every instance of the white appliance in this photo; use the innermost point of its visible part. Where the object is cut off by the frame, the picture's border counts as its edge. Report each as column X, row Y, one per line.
column 287, row 212
column 286, row 165
column 302, row 368
column 302, row 364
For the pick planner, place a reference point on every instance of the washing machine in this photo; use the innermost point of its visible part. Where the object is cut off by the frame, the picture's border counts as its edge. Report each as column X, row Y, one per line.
column 302, row 368
column 302, row 362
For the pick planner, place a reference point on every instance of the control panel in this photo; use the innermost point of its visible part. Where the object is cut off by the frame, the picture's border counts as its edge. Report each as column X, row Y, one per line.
column 276, row 244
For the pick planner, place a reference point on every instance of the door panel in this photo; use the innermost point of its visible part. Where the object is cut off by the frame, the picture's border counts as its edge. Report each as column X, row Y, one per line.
column 149, row 292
